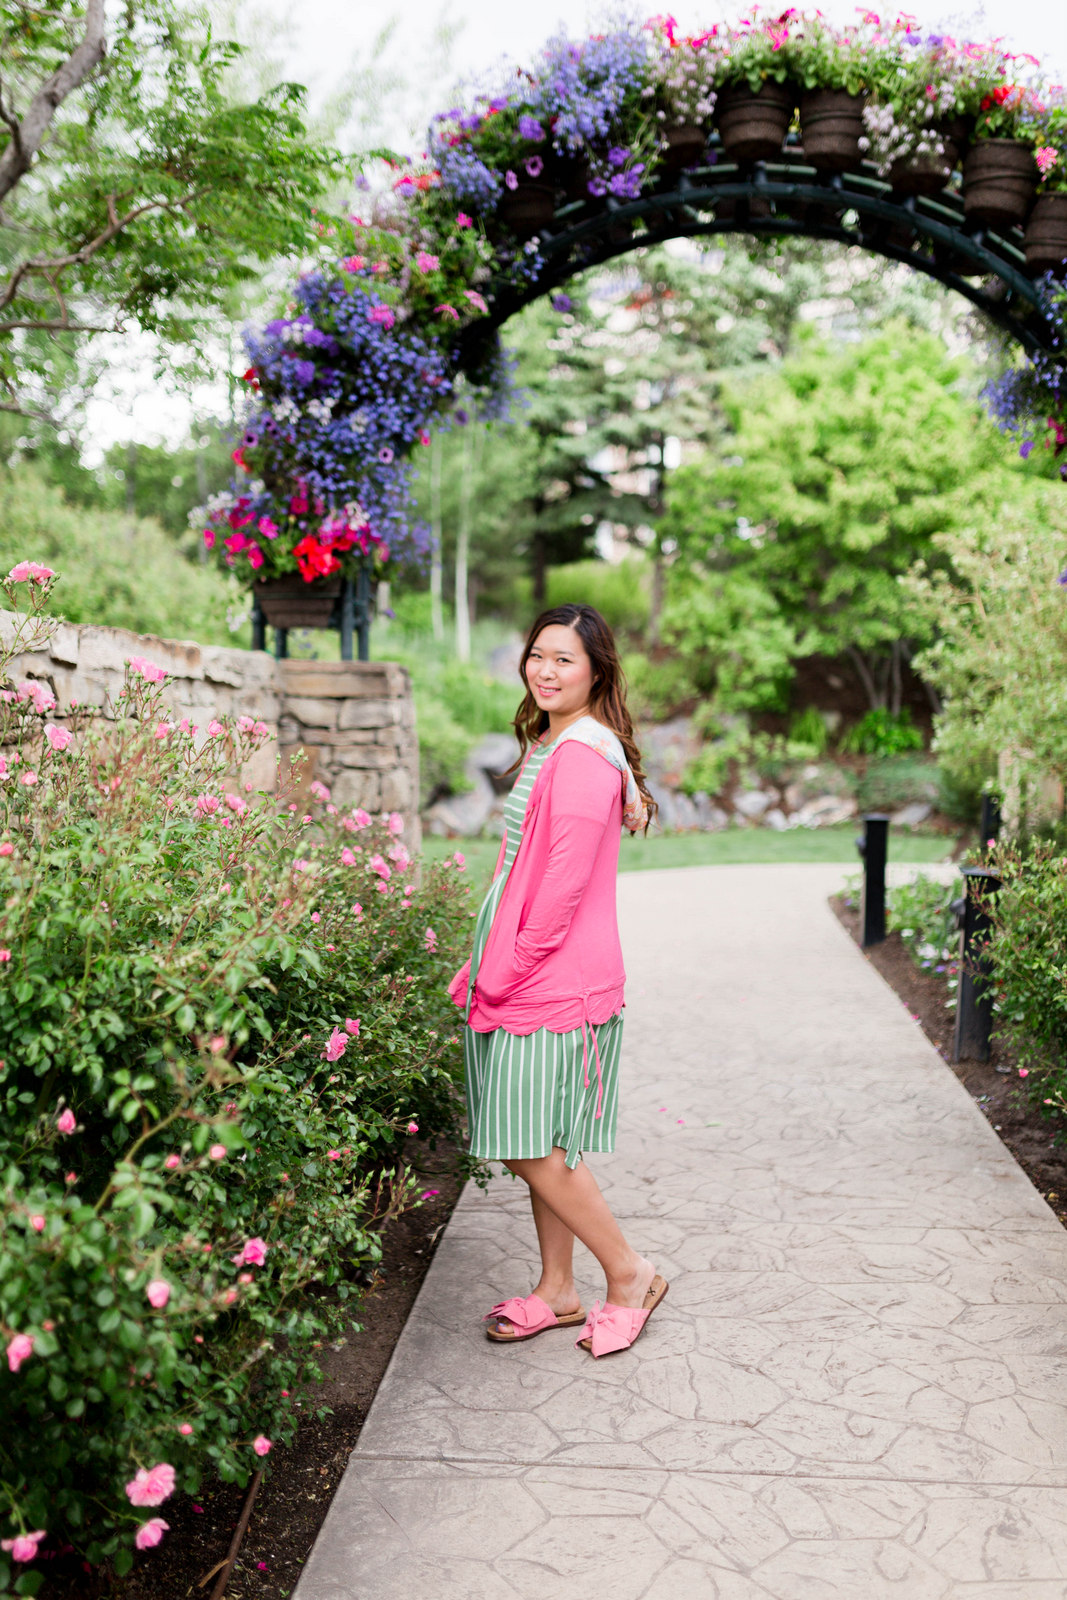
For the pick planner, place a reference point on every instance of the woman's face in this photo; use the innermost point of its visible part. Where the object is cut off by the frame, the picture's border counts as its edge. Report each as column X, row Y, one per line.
column 559, row 672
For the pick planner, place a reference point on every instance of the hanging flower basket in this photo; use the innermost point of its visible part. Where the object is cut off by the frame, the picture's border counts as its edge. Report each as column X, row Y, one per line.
column 753, row 127
column 290, row 602
column 528, row 208
column 999, row 180
column 686, row 143
column 1046, row 235
column 928, row 173
column 831, row 127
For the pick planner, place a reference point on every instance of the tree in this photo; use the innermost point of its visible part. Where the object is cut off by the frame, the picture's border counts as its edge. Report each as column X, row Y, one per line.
column 836, row 474
column 138, row 187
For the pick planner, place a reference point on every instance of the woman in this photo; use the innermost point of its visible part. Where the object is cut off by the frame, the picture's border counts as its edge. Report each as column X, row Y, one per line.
column 543, row 990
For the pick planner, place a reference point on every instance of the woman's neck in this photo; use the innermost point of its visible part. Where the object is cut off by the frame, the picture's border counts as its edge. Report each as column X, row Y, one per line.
column 558, row 724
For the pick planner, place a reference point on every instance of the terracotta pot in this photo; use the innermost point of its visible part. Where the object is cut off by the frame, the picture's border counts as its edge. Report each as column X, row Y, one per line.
column 999, row 180
column 831, row 127
column 751, row 126
column 1046, row 235
column 527, row 208
column 686, row 143
column 289, row 602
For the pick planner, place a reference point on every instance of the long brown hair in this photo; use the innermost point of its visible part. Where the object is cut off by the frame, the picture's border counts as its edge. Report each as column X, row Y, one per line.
column 607, row 697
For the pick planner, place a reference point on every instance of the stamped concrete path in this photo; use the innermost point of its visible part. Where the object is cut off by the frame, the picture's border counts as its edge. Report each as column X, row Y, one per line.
column 857, row 1386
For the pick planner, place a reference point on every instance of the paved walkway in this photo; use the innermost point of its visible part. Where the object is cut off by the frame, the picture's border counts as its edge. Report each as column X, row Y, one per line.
column 857, row 1386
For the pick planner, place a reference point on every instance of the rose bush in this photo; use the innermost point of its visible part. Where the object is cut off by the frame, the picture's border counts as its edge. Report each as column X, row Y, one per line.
column 221, row 1013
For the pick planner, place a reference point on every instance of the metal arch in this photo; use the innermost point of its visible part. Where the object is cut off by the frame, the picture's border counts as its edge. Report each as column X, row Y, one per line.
column 788, row 197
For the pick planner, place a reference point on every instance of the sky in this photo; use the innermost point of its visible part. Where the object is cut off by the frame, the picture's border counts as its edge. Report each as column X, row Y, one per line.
column 431, row 46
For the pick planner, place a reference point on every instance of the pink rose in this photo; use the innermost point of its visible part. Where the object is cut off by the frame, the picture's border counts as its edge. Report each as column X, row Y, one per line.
column 172, row 1161
column 19, row 1349
column 23, row 1546
column 347, row 858
column 379, row 865
column 5, row 955
column 158, row 1292
column 319, row 791
column 186, row 1429
column 431, row 940
column 253, row 1254
column 460, row 859
column 217, row 1152
column 66, row 1122
column 151, row 1532
column 413, row 1127
column 352, row 1026
column 37, row 1222
column 147, row 669
column 335, row 1046
column 29, row 572
column 151, row 1487
column 58, row 738
column 333, row 1155
column 7, row 848
column 262, row 1445
column 360, row 818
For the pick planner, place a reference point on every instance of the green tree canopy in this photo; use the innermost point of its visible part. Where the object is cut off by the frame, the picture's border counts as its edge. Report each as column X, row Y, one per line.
column 837, row 471
column 138, row 186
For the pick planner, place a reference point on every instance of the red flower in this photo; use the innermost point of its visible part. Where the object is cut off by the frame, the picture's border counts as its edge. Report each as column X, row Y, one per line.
column 314, row 560
column 239, row 457
column 986, row 103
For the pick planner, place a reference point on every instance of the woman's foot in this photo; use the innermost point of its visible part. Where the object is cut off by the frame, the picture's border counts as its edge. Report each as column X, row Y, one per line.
column 632, row 1289
column 562, row 1299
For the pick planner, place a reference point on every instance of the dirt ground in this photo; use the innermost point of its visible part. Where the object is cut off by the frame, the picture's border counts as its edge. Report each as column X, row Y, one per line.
column 1000, row 1093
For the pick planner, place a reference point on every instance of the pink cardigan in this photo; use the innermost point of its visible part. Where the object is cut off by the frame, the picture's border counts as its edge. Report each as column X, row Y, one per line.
column 553, row 958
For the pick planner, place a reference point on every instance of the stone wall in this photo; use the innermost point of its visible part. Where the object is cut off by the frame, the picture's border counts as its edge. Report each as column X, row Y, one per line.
column 353, row 721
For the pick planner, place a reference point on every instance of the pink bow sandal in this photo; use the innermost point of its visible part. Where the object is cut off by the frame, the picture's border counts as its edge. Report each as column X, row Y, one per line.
column 528, row 1316
column 609, row 1328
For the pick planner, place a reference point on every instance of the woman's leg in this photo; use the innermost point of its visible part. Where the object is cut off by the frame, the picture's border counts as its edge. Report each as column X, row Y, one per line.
column 574, row 1199
column 556, row 1241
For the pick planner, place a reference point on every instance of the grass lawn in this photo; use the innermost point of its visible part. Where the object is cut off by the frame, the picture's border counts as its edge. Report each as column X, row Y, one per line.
column 714, row 849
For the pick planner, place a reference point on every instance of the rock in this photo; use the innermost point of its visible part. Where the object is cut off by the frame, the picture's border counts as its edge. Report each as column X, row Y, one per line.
column 775, row 818
column 667, row 749
column 463, row 814
column 824, row 812
column 911, row 816
column 493, row 755
column 816, row 781
column 710, row 817
column 752, row 803
column 685, row 812
column 504, row 663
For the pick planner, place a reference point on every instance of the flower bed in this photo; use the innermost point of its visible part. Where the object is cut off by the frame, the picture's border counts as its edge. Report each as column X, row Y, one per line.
column 220, row 1015
column 345, row 388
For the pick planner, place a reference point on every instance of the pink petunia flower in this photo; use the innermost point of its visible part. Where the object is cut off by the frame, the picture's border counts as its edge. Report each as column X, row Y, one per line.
column 352, row 1026
column 19, row 1349
column 151, row 1532
column 262, row 1445
column 463, row 221
column 336, row 1046
column 151, row 1486
column 23, row 1546
column 158, row 1292
column 66, row 1122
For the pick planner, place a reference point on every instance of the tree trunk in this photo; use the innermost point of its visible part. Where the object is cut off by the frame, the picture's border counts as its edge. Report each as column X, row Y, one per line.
column 437, row 612
column 540, row 560
column 896, row 683
column 655, row 610
column 28, row 135
column 463, row 545
column 863, row 673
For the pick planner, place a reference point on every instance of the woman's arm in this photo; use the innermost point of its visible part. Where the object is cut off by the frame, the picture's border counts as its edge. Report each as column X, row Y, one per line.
column 582, row 804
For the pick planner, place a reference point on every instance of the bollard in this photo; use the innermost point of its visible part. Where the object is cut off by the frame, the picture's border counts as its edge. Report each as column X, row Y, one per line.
column 873, row 845
column 974, row 995
column 989, row 826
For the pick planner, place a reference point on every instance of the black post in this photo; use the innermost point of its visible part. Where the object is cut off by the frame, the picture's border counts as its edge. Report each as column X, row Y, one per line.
column 281, row 643
column 974, row 996
column 989, row 826
column 362, row 611
column 259, row 621
column 873, row 846
column 348, row 618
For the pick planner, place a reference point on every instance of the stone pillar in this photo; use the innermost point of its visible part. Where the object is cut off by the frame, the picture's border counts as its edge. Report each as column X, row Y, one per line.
column 354, row 724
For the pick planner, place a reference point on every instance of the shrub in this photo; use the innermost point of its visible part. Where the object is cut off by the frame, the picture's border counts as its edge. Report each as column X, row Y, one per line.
column 219, row 1015
column 807, row 727
column 1029, row 951
column 881, row 733
column 896, row 781
column 656, row 689
column 621, row 593
column 919, row 912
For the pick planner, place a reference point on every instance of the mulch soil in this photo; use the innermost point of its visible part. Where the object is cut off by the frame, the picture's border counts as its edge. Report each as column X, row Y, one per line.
column 994, row 1085
column 295, row 1495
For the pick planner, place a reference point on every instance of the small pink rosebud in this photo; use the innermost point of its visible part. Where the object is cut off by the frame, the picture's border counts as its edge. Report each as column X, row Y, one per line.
column 186, row 1429
column 172, row 1161
column 217, row 1152
column 150, row 1533
column 19, row 1349
column 158, row 1292
column 66, row 1122
column 352, row 1026
column 262, row 1445
column 413, row 1127
column 37, row 1222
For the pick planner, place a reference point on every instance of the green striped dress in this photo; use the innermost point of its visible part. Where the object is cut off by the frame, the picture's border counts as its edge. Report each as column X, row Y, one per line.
column 526, row 1093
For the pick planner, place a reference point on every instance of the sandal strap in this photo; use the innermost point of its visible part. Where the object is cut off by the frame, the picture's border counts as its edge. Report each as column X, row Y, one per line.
column 610, row 1328
column 527, row 1313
